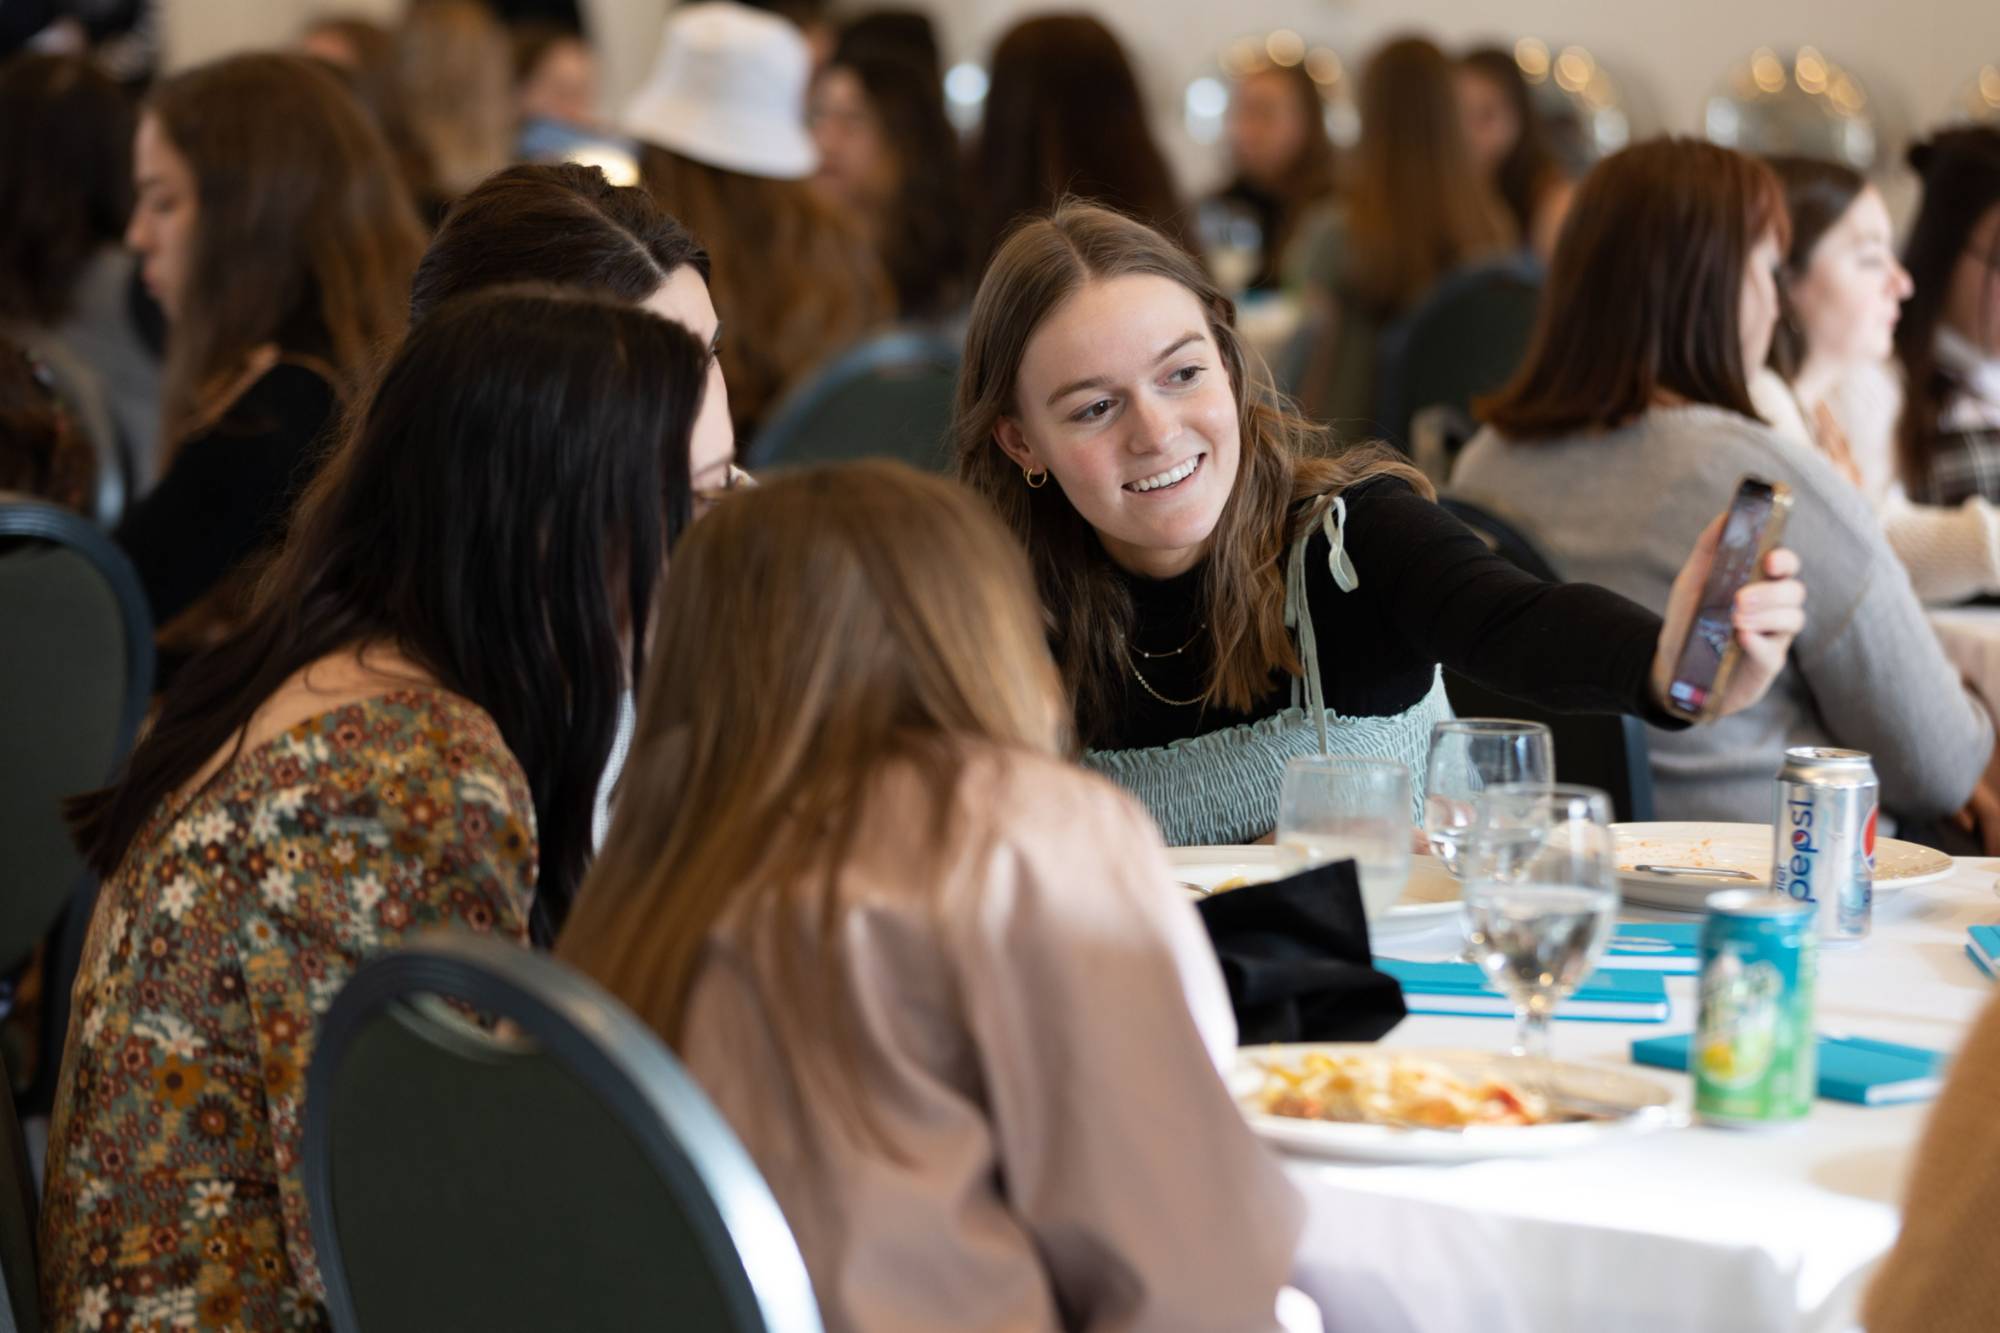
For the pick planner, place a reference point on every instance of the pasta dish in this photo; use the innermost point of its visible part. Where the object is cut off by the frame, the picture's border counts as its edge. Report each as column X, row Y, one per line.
column 1390, row 1089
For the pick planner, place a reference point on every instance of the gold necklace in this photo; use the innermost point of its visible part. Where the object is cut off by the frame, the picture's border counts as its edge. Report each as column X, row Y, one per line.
column 1131, row 648
column 1147, row 686
column 1132, row 665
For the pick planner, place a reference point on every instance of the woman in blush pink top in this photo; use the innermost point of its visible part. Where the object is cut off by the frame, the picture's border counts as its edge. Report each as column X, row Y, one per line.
column 939, row 981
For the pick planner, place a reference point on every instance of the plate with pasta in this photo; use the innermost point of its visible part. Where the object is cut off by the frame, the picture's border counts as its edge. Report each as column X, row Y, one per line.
column 1376, row 1103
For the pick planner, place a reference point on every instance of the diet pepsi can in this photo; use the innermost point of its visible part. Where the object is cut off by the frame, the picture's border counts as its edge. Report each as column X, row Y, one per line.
column 1825, row 853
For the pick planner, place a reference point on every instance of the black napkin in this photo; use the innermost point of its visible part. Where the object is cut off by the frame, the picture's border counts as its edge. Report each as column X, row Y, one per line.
column 1295, row 954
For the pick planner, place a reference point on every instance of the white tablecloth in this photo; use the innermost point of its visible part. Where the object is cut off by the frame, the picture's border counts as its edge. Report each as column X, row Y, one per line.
column 1971, row 639
column 1705, row 1230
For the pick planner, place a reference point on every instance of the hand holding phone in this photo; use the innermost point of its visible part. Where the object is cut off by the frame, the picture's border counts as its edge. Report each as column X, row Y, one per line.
column 1706, row 653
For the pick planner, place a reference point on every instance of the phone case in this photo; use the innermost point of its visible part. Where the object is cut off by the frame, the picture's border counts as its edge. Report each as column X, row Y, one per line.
column 1774, row 530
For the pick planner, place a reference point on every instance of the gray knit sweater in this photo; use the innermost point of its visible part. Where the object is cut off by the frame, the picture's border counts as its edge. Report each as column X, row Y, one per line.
column 1623, row 509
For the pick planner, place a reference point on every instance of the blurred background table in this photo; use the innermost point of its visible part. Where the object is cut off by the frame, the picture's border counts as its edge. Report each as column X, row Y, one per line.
column 1971, row 639
column 1701, row 1228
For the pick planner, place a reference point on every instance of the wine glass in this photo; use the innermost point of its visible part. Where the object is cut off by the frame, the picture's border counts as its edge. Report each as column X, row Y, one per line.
column 1469, row 755
column 1332, row 807
column 1541, row 896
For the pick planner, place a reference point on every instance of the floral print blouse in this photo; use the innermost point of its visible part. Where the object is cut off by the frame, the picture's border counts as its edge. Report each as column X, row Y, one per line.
column 173, row 1198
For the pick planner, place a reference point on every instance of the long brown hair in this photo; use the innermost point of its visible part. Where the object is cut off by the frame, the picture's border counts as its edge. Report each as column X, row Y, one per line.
column 1525, row 174
column 1283, row 462
column 303, row 234
column 1961, row 174
column 1064, row 119
column 66, row 176
column 455, row 70
column 1817, row 196
column 922, row 234
column 1416, row 209
column 793, row 281
column 1645, row 292
column 814, row 632
column 1313, row 173
column 369, row 69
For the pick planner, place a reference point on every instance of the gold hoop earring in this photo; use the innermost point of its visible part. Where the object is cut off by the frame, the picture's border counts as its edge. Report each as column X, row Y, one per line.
column 1035, row 480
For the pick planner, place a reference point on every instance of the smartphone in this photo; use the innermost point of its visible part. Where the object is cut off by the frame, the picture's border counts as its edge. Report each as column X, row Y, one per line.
column 1750, row 531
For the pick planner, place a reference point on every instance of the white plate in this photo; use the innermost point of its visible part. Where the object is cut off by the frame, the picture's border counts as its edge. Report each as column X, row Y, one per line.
column 1429, row 899
column 1646, row 1107
column 1744, row 847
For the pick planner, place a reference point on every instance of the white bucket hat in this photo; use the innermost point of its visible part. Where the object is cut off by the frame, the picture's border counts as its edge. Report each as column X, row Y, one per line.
column 729, row 89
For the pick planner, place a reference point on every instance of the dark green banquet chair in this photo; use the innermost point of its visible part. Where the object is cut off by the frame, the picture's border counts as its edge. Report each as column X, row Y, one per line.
column 887, row 397
column 558, row 1172
column 1603, row 750
column 76, row 672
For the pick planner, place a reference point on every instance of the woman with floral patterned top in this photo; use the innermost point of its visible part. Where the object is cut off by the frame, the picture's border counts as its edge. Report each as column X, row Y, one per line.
column 406, row 735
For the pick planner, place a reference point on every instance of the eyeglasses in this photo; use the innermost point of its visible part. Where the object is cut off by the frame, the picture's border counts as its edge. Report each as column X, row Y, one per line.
column 708, row 497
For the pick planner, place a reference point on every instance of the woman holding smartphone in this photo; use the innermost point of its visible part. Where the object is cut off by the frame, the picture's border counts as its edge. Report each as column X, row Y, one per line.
column 1222, row 595
column 1631, row 420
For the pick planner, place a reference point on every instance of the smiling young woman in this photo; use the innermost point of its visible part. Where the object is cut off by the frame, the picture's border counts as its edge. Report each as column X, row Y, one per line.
column 1224, row 595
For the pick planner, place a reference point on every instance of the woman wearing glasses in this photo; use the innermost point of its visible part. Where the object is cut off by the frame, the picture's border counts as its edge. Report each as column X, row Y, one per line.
column 618, row 244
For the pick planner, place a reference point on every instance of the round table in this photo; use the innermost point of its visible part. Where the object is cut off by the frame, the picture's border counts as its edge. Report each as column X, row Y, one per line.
column 1697, row 1229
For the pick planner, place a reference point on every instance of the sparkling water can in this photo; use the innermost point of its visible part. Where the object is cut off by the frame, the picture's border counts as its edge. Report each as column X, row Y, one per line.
column 1754, row 1058
column 1825, row 839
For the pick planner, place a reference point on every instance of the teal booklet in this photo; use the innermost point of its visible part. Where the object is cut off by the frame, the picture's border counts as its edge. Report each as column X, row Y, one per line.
column 1609, row 995
column 1984, row 949
column 1851, row 1069
column 1672, row 947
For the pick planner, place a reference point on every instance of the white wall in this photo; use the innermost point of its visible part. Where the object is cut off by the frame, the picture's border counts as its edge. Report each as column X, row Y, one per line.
column 1913, row 55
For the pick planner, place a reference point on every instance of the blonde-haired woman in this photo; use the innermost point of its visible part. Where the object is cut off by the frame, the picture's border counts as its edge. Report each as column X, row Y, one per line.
column 933, row 976
column 1222, row 595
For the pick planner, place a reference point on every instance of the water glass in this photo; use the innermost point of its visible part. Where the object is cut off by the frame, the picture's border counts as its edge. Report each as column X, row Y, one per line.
column 1331, row 808
column 1541, row 896
column 1469, row 755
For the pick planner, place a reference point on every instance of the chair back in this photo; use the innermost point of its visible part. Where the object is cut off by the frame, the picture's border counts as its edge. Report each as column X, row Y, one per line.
column 1505, row 539
column 21, row 1313
column 887, row 397
column 1604, row 750
column 1464, row 340
column 559, row 1172
column 76, row 670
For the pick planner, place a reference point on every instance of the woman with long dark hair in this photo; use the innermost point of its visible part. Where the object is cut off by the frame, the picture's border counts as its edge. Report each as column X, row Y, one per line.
column 275, row 233
column 1509, row 145
column 1282, row 159
column 889, row 157
column 1948, row 441
column 1222, row 595
column 1631, row 422
column 1412, row 210
column 565, row 224
column 1064, row 119
column 407, row 732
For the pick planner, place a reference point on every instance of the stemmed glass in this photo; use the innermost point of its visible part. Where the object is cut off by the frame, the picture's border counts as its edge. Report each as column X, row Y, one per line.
column 1332, row 807
column 1541, row 896
column 1469, row 755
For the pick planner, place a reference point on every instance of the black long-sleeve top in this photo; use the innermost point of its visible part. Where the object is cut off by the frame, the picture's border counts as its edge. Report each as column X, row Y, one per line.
column 1430, row 592
column 229, row 489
